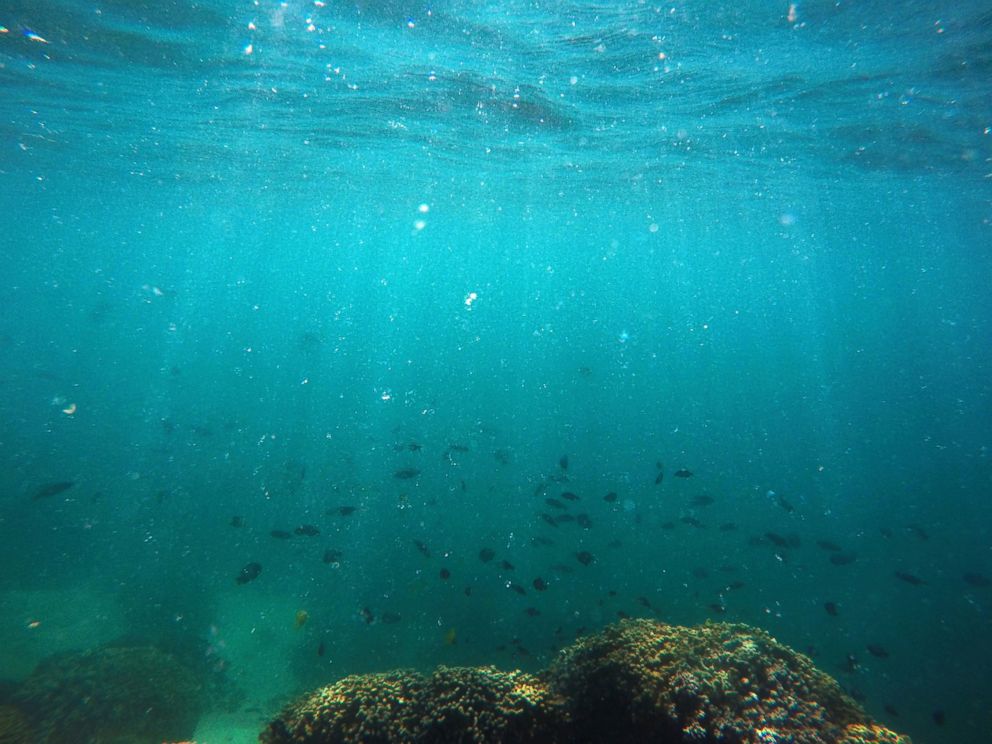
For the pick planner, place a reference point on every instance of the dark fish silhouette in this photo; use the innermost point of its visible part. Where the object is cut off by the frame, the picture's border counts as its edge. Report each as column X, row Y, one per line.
column 445, row 574
column 280, row 534
column 549, row 519
column 585, row 557
column 832, row 609
column 569, row 496
column 486, row 555
column 367, row 615
column 909, row 578
column 542, row 540
column 691, row 521
column 843, row 559
column 506, row 565
column 332, row 556
column 320, row 649
column 891, row 710
column 877, row 650
column 777, row 539
column 683, row 473
column 555, row 503
column 51, row 489
column 406, row 473
column 408, row 447
column 237, row 521
column 422, row 548
column 939, row 717
column 583, row 521
column 249, row 573
column 343, row 511
column 918, row 531
column 828, row 546
column 563, row 462
column 540, row 584
column 610, row 497
column 307, row 529
column 784, row 503
column 562, row 568
column 702, row 500
column 532, row 611
column 659, row 478
column 517, row 588
column 977, row 579
column 564, row 518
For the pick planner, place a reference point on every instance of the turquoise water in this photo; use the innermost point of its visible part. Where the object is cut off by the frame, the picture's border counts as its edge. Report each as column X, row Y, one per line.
column 260, row 257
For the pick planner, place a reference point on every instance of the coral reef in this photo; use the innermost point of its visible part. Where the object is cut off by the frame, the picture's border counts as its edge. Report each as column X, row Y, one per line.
column 14, row 726
column 714, row 682
column 636, row 681
column 454, row 704
column 125, row 695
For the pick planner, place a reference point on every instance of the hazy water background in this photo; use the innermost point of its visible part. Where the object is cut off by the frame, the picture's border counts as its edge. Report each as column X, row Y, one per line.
column 697, row 233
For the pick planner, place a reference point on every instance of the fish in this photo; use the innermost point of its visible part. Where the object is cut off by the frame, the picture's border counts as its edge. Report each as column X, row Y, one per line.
column 307, row 529
column 422, row 548
column 555, row 503
column 237, row 521
column 502, row 456
column 783, row 502
column 542, row 541
column 367, row 615
column 585, row 557
column 540, row 488
column 564, row 518
column 517, row 588
column 939, row 717
column 843, row 559
column 832, row 609
column 549, row 519
column 457, row 448
column 891, row 710
column 569, row 496
column 406, row 473
column 301, row 618
column 645, row 602
column 918, row 531
column 877, row 650
column 702, row 500
column 407, row 447
column 332, row 556
column 563, row 462
column 451, row 637
column 532, row 611
column 692, row 521
column 700, row 573
column 445, row 574
column 733, row 585
column 976, row 579
column 540, row 584
column 718, row 608
column 343, row 511
column 610, row 498
column 583, row 521
column 659, row 478
column 909, row 578
column 683, row 473
column 486, row 555
column 562, row 568
column 250, row 572
column 506, row 565
column 321, row 648
column 280, row 534
column 828, row 546
column 51, row 489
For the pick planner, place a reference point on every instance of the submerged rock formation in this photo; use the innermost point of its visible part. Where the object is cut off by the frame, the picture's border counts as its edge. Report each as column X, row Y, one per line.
column 125, row 695
column 636, row 681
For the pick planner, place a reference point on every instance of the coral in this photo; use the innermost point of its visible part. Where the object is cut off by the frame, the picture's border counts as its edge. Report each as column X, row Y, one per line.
column 858, row 733
column 363, row 707
column 483, row 704
column 127, row 695
column 454, row 704
column 723, row 682
column 14, row 727
column 636, row 681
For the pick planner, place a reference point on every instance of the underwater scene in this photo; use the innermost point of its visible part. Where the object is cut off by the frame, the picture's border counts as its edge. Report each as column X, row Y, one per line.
column 471, row 371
